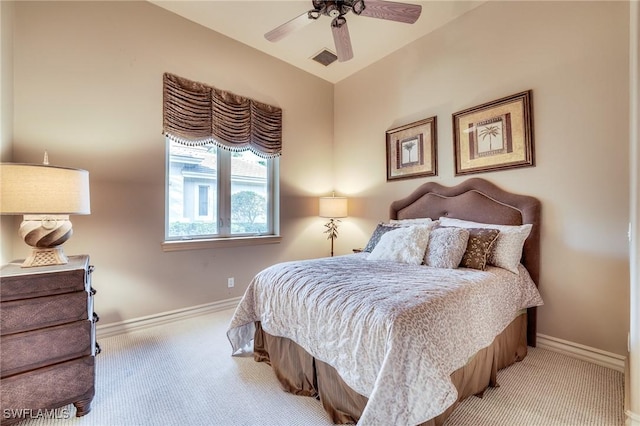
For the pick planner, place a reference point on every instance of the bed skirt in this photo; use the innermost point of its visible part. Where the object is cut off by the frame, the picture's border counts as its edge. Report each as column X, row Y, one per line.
column 299, row 373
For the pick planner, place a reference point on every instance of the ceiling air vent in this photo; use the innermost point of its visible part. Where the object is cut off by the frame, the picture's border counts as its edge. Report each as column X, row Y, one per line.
column 325, row 57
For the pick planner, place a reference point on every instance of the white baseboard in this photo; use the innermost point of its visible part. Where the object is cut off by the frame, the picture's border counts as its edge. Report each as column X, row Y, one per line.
column 633, row 419
column 122, row 327
column 585, row 353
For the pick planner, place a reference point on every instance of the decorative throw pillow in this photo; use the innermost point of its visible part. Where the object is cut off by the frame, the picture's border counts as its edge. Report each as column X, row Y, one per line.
column 446, row 247
column 383, row 228
column 403, row 244
column 380, row 230
column 507, row 250
column 481, row 240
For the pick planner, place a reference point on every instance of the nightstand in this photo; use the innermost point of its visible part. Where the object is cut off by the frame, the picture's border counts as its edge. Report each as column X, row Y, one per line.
column 47, row 338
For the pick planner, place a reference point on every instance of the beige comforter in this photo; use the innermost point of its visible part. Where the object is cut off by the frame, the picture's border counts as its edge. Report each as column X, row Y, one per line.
column 394, row 332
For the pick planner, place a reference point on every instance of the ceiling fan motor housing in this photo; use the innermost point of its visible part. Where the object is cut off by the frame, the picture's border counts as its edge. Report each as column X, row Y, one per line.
column 335, row 8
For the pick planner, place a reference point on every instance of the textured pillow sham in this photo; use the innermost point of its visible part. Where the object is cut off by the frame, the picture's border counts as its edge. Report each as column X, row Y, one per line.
column 380, row 230
column 446, row 247
column 481, row 241
column 383, row 228
column 403, row 244
column 507, row 251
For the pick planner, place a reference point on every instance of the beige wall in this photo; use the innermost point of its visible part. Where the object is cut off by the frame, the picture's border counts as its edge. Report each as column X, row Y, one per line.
column 6, row 79
column 632, row 380
column 88, row 88
column 574, row 56
column 7, row 230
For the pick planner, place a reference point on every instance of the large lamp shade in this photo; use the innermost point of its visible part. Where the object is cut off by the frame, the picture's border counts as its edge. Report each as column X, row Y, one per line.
column 333, row 207
column 41, row 189
column 46, row 196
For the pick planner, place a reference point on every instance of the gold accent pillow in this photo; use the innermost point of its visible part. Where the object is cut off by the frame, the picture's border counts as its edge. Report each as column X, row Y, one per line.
column 481, row 241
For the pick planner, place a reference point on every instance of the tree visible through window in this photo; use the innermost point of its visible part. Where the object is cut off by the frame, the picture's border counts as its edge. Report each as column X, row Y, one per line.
column 247, row 208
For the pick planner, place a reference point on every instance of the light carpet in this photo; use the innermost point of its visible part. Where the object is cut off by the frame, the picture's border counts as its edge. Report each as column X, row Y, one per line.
column 183, row 374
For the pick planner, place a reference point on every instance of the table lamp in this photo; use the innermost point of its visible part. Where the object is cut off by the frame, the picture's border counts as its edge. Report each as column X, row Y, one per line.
column 333, row 207
column 46, row 196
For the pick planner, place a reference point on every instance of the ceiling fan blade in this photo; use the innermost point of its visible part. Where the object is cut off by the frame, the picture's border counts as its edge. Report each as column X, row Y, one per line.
column 392, row 11
column 341, row 39
column 287, row 28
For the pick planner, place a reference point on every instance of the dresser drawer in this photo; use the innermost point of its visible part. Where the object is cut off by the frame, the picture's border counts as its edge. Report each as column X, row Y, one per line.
column 23, row 283
column 27, row 351
column 49, row 387
column 29, row 314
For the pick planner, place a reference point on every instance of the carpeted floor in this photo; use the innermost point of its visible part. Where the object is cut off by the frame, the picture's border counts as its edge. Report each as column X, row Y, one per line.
column 183, row 374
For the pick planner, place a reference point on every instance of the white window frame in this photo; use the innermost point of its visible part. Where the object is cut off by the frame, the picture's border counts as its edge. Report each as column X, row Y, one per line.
column 224, row 237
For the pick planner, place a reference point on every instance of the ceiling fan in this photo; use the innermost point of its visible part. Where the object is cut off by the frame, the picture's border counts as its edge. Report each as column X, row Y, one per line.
column 337, row 9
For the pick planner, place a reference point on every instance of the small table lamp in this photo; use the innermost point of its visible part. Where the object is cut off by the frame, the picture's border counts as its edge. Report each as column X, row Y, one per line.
column 333, row 207
column 46, row 196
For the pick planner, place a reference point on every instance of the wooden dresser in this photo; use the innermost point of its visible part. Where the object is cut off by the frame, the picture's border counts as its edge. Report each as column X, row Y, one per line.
column 47, row 340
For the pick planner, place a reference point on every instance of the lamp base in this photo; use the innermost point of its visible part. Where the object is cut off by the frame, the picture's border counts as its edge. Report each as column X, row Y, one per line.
column 45, row 234
column 45, row 257
column 332, row 230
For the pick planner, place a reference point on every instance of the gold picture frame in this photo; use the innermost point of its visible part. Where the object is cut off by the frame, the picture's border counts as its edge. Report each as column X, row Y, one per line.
column 412, row 149
column 497, row 135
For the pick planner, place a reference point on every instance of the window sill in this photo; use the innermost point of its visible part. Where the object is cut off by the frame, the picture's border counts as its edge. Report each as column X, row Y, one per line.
column 179, row 245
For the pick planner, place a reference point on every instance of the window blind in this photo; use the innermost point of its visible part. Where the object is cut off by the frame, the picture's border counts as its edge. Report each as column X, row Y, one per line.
column 197, row 114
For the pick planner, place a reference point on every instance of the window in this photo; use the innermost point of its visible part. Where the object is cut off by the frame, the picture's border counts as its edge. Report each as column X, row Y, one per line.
column 222, row 160
column 212, row 193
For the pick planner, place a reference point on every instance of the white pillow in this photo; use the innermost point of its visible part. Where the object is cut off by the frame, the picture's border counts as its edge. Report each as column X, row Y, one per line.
column 405, row 245
column 446, row 247
column 507, row 250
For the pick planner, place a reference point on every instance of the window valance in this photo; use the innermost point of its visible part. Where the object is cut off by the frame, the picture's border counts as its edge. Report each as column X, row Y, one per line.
column 197, row 114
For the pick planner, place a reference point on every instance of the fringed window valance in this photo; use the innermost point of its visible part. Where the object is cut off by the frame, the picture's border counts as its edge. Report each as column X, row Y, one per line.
column 197, row 114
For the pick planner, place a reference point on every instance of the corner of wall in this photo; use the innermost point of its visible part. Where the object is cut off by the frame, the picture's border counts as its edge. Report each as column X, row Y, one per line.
column 632, row 372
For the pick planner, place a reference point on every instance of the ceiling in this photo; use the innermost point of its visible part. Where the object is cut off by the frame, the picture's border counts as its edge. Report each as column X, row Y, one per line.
column 372, row 39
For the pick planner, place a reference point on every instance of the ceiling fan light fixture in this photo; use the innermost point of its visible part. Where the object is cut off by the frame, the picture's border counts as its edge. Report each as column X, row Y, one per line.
column 338, row 21
column 358, row 6
column 332, row 10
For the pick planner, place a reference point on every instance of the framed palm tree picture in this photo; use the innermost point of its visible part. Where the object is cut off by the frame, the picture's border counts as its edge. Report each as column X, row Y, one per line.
column 411, row 150
column 496, row 135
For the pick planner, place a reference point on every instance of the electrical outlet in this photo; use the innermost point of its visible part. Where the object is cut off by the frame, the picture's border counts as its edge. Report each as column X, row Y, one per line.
column 230, row 282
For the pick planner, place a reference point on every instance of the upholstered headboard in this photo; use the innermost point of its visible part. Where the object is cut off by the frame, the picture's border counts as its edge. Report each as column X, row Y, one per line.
column 479, row 200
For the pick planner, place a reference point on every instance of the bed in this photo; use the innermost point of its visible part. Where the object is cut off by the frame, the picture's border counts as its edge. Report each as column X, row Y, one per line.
column 382, row 339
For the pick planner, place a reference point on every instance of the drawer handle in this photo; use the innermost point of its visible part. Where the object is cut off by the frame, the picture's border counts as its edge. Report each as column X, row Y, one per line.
column 96, row 318
column 91, row 268
column 93, row 291
column 98, row 348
